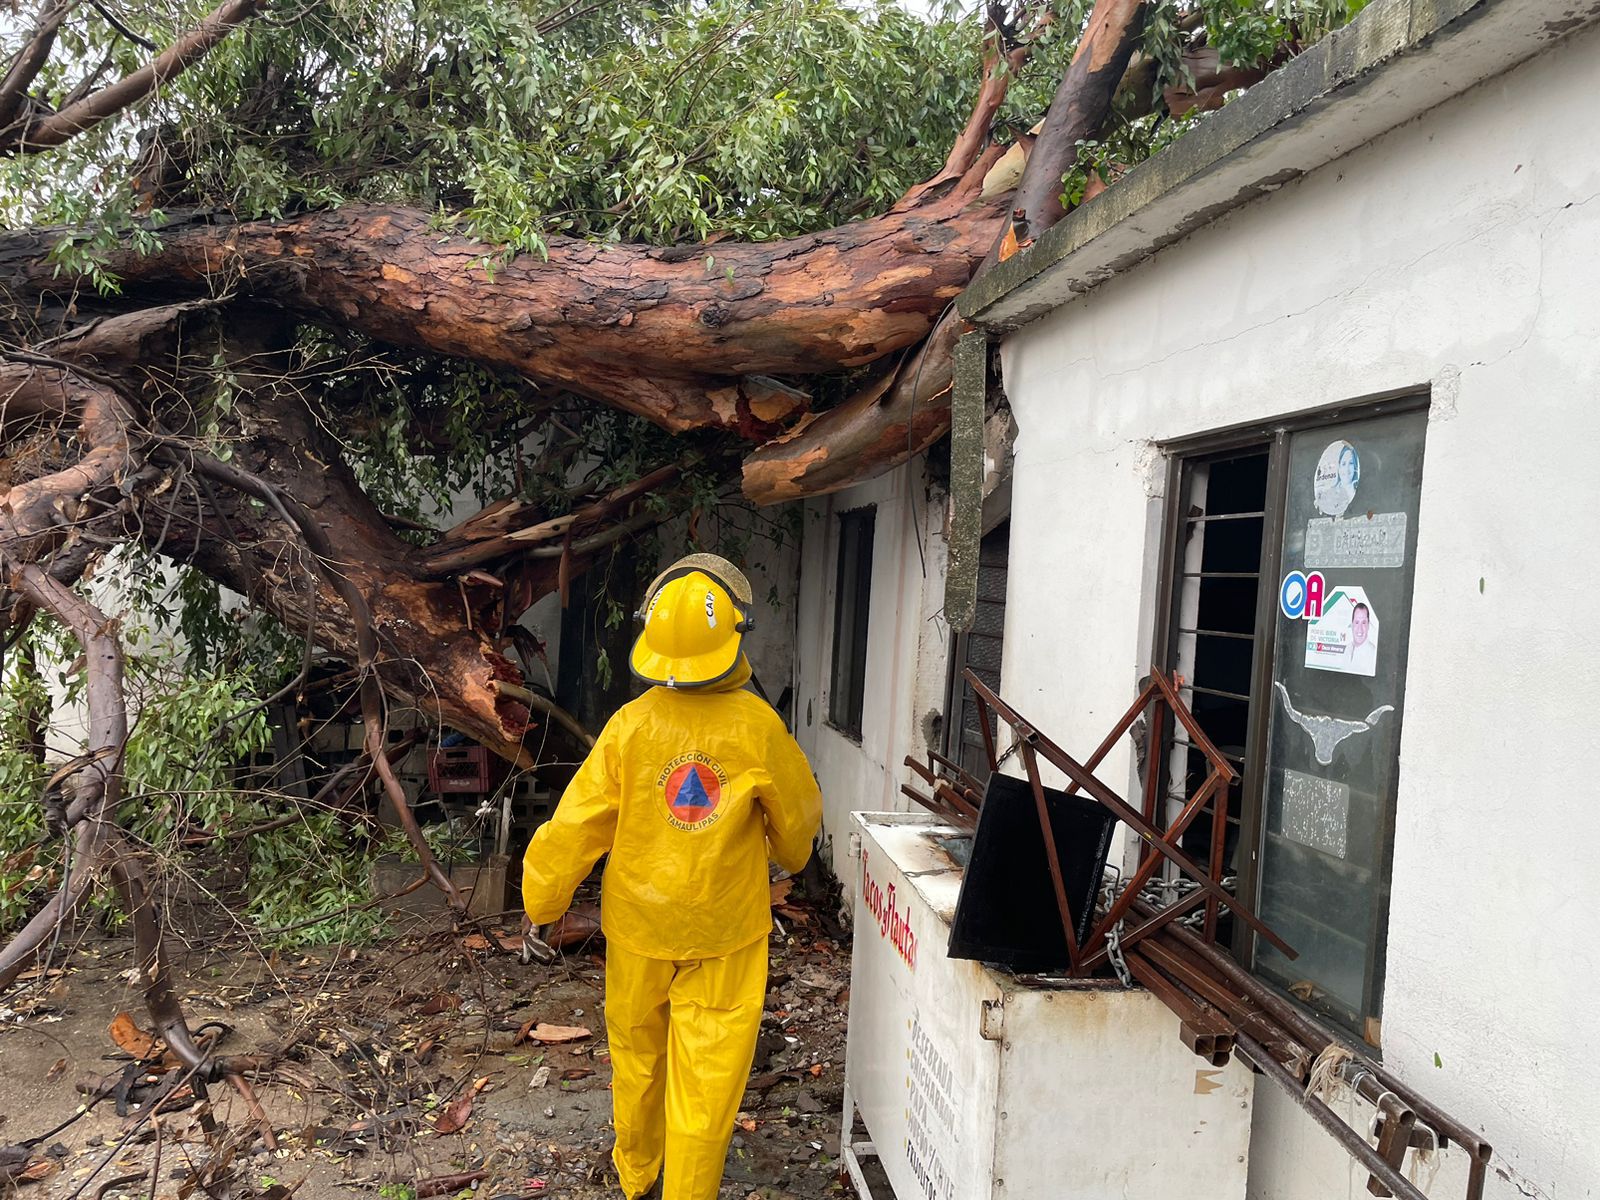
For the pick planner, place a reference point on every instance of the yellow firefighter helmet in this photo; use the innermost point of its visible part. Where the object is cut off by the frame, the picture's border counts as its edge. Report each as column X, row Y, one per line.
column 695, row 616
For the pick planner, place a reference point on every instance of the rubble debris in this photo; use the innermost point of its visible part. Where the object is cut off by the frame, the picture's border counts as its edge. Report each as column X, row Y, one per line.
column 395, row 1070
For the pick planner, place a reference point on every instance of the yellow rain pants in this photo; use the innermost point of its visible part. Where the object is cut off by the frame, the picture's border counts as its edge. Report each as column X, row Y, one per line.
column 682, row 1035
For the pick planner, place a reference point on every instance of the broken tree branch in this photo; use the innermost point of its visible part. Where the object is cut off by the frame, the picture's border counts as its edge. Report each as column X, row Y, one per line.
column 547, row 706
column 891, row 421
column 44, row 513
column 1079, row 108
column 500, row 530
column 97, row 780
column 893, row 418
column 55, row 128
column 30, row 61
column 321, row 553
column 1002, row 60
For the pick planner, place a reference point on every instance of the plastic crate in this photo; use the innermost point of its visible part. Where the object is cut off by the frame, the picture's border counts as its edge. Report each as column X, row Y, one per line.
column 456, row 769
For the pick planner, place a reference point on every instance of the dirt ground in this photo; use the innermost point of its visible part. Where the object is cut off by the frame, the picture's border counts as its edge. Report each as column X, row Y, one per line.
column 380, row 1050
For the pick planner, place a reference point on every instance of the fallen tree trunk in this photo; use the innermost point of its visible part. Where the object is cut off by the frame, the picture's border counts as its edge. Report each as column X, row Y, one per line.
column 688, row 337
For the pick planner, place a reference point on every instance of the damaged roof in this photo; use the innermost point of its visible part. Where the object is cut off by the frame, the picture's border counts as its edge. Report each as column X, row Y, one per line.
column 1396, row 60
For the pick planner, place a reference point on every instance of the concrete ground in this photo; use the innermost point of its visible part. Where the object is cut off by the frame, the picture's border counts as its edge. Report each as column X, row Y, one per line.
column 380, row 1049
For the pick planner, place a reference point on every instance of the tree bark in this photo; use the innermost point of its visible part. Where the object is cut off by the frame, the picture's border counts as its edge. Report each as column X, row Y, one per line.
column 898, row 415
column 1081, row 103
column 688, row 337
column 887, row 424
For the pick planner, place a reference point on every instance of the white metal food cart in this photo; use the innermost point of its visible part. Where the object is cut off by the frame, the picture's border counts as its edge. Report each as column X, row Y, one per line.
column 972, row 1085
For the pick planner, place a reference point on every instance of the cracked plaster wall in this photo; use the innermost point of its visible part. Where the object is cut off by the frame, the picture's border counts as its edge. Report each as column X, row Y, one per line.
column 1462, row 251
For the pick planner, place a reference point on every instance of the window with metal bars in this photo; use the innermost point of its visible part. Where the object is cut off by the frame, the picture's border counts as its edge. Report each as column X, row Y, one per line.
column 1214, row 634
column 1312, row 726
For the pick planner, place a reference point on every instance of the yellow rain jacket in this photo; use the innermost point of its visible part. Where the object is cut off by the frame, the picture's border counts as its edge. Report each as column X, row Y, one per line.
column 690, row 792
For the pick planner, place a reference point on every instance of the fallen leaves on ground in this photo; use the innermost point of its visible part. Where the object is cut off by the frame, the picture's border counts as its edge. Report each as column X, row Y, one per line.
column 375, row 1076
column 456, row 1113
column 131, row 1039
column 550, row 1035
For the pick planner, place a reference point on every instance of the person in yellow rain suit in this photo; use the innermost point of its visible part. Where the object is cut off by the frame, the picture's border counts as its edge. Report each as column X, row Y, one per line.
column 689, row 789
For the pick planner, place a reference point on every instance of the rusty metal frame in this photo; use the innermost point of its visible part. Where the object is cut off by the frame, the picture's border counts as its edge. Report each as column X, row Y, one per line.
column 1222, row 1009
column 1158, row 843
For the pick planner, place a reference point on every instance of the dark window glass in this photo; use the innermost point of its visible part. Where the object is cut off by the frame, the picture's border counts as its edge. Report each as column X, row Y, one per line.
column 979, row 649
column 1337, row 699
column 852, row 607
column 1308, row 710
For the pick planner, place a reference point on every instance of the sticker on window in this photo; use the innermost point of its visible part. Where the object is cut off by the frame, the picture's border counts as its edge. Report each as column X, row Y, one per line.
column 1345, row 637
column 1300, row 595
column 1337, row 476
column 1316, row 812
column 1329, row 733
column 1374, row 540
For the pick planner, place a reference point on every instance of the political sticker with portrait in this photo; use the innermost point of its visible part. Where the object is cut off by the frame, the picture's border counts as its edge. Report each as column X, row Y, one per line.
column 1345, row 637
column 1338, row 474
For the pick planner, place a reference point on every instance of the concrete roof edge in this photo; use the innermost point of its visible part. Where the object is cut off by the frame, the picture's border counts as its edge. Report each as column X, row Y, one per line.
column 1380, row 71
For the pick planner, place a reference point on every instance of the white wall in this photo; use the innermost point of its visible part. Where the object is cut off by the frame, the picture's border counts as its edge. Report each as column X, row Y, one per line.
column 906, row 650
column 1461, row 251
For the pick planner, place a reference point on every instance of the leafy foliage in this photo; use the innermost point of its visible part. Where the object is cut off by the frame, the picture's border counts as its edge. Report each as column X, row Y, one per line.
column 196, row 720
column 26, row 867
column 1244, row 33
column 525, row 119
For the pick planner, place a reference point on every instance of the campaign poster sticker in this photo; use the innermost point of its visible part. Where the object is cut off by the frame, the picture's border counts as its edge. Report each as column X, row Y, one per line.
column 1345, row 637
column 1338, row 474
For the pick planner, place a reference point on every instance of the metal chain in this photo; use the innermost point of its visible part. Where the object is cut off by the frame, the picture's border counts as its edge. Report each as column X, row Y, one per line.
column 1158, row 893
column 1119, row 964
